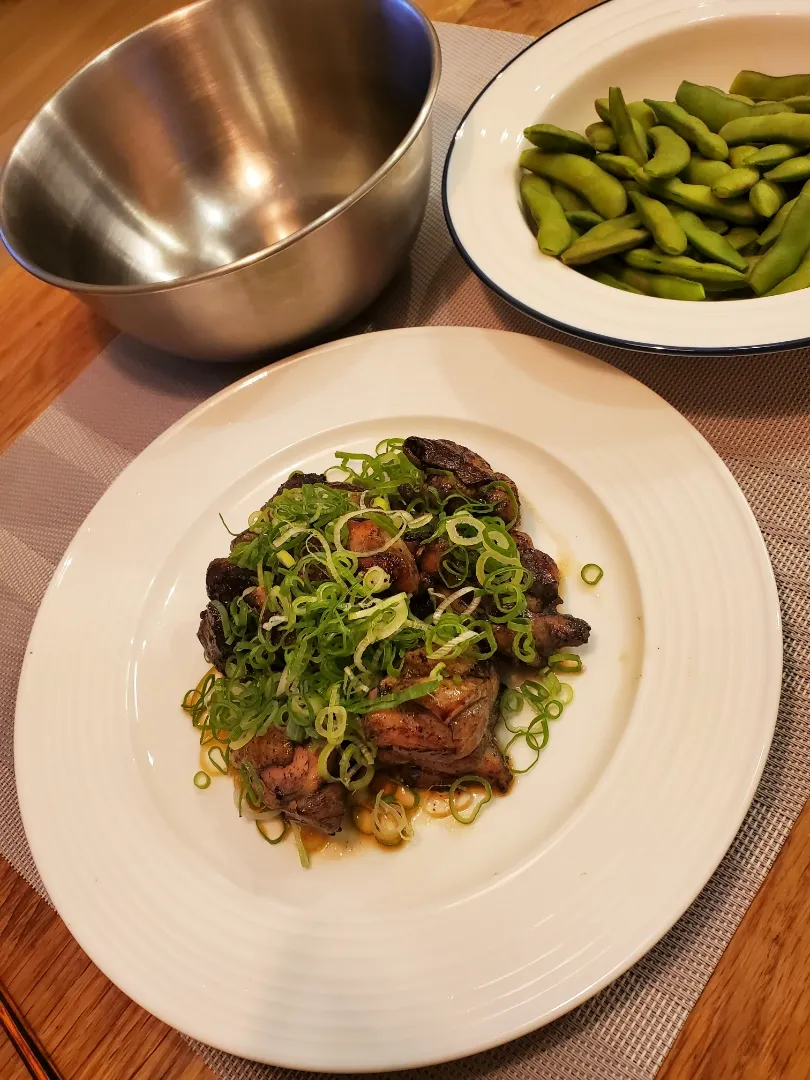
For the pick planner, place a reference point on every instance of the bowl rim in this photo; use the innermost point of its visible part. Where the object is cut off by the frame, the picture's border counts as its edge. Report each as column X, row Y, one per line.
column 549, row 320
column 263, row 253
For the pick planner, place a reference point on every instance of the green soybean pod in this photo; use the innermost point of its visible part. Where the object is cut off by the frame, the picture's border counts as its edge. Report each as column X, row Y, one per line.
column 767, row 108
column 772, row 230
column 672, row 153
column 710, row 105
column 739, row 155
column 601, row 137
column 766, row 197
column 769, row 87
column 606, row 278
column 801, row 103
column 587, row 250
column 553, row 231
column 685, row 267
column 793, row 128
column 602, row 106
column 692, row 129
column 630, row 145
column 617, row 165
column 661, row 285
column 768, row 157
column 568, row 200
column 711, row 244
column 603, row 192
column 799, row 279
column 716, row 225
column 658, row 218
column 639, row 110
column 557, row 140
column 787, row 251
column 702, row 171
column 792, row 171
column 583, row 219
column 702, row 200
column 626, row 221
column 735, row 183
column 743, row 240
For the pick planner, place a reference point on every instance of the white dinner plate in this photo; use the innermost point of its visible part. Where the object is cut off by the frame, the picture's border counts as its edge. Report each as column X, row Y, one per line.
column 647, row 47
column 467, row 937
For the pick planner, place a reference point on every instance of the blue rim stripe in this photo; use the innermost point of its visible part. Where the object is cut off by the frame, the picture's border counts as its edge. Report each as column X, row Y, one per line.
column 547, row 320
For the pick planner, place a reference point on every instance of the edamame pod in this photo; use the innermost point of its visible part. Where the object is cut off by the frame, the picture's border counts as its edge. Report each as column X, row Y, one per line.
column 557, row 140
column 603, row 192
column 716, row 225
column 683, row 266
column 702, row 171
column 735, row 183
column 739, row 155
column 583, row 219
column 791, row 128
column 617, row 165
column 605, row 278
column 638, row 110
column 702, row 200
column 766, row 108
column 799, row 104
column 672, row 153
column 553, row 231
column 626, row 221
column 799, row 279
column 743, row 240
column 691, row 128
column 769, row 87
column 587, row 250
column 601, row 137
column 768, row 157
column 710, row 105
column 797, row 169
column 657, row 217
column 662, row 285
column 787, row 252
column 630, row 144
column 769, row 234
column 766, row 197
column 568, row 200
column 711, row 244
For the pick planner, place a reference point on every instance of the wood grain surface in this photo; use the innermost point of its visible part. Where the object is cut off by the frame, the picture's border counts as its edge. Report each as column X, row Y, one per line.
column 753, row 1019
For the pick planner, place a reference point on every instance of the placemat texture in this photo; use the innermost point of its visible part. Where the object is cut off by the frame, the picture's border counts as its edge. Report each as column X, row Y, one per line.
column 754, row 411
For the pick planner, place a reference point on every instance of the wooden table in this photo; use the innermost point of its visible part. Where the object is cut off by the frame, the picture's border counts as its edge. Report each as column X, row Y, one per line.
column 752, row 1021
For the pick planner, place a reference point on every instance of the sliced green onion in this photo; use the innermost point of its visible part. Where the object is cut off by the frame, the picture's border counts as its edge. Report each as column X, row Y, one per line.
column 568, row 662
column 554, row 709
column 202, row 780
column 279, row 837
column 565, row 695
column 303, row 854
column 286, row 559
column 591, row 574
column 454, row 791
column 222, row 764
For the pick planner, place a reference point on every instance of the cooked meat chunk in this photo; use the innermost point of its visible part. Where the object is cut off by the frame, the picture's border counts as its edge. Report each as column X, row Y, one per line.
column 291, row 783
column 246, row 537
column 212, row 638
column 447, row 456
column 471, row 474
column 429, row 557
column 397, row 561
column 224, row 581
column 550, row 632
column 298, row 479
column 542, row 568
column 486, row 761
column 445, row 725
column 272, row 748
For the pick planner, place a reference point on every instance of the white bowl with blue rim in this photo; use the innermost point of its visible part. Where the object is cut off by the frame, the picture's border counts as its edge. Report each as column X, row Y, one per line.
column 647, row 47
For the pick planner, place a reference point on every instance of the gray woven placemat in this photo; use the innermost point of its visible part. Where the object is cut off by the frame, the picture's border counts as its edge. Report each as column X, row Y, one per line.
column 754, row 411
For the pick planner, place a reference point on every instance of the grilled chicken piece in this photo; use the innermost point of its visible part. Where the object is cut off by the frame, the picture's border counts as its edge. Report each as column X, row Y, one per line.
column 224, row 581
column 290, row 780
column 397, row 561
column 551, row 632
column 471, row 474
column 543, row 569
column 486, row 761
column 212, row 638
column 443, row 726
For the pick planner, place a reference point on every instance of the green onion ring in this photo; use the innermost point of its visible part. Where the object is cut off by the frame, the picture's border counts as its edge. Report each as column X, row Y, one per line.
column 454, row 787
column 202, row 780
column 591, row 573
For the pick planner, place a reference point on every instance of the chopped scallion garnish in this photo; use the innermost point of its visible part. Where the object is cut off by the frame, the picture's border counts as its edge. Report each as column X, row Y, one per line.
column 591, row 574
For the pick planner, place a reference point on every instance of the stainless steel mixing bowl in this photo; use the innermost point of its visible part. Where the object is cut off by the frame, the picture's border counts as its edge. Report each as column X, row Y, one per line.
column 236, row 176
